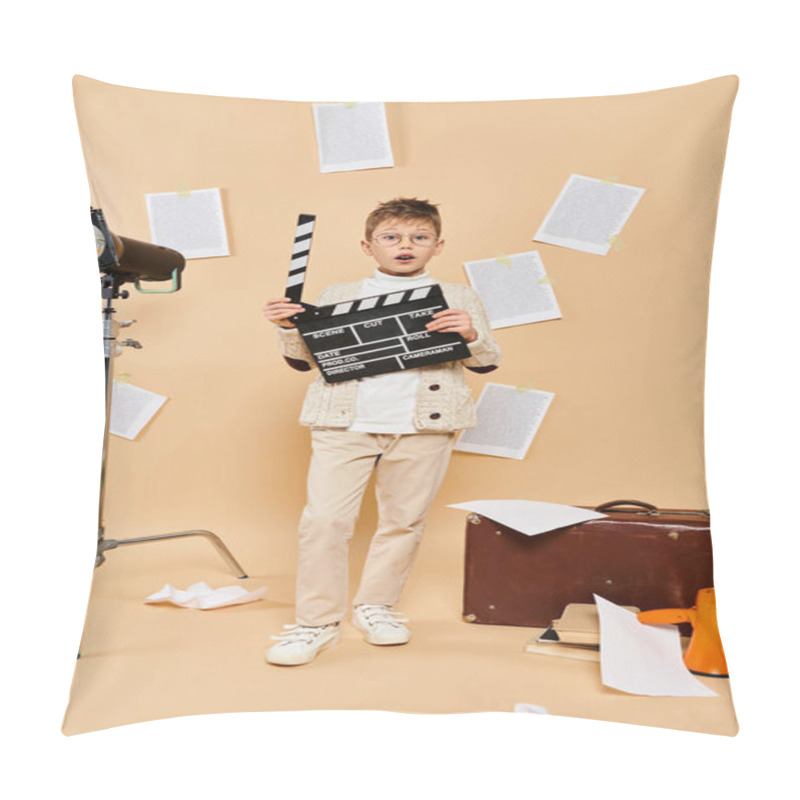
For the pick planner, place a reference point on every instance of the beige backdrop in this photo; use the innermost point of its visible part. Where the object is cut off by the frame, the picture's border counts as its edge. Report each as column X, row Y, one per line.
column 625, row 363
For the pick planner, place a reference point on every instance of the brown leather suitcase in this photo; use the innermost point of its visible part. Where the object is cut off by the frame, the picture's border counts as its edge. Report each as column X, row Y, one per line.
column 638, row 555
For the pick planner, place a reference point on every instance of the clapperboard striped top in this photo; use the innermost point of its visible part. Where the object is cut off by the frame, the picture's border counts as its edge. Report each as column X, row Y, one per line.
column 378, row 301
column 300, row 251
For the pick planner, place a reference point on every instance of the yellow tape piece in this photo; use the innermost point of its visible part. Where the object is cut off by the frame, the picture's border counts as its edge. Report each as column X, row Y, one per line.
column 616, row 242
column 350, row 105
column 525, row 387
column 503, row 258
column 610, row 180
column 547, row 280
column 122, row 377
column 183, row 191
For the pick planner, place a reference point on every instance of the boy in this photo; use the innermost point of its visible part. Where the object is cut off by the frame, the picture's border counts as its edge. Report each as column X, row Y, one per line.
column 401, row 424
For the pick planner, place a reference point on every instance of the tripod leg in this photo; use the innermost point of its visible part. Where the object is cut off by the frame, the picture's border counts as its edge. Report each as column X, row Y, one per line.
column 109, row 544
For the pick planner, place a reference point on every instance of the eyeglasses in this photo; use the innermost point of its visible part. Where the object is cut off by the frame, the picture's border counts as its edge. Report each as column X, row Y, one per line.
column 418, row 239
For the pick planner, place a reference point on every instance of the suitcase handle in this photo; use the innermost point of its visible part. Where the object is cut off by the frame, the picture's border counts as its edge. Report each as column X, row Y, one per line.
column 644, row 508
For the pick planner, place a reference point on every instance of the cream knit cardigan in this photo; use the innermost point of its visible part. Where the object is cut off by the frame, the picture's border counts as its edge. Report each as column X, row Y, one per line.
column 444, row 401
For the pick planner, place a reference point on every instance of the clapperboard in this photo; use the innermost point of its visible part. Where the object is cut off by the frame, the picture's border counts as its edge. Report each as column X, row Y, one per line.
column 373, row 335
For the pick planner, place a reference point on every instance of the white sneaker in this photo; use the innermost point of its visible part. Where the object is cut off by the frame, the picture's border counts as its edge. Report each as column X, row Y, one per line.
column 301, row 643
column 381, row 625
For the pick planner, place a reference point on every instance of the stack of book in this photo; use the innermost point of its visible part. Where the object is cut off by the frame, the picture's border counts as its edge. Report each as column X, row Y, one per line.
column 576, row 634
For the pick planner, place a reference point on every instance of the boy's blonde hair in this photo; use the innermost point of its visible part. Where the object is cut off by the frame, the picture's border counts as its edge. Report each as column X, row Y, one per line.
column 406, row 209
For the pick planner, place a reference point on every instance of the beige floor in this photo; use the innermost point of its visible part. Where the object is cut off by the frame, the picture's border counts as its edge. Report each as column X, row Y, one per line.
column 142, row 662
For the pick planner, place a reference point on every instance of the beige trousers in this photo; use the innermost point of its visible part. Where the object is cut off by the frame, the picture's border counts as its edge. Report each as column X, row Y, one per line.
column 409, row 470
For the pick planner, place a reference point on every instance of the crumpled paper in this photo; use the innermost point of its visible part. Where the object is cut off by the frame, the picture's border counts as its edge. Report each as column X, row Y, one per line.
column 201, row 595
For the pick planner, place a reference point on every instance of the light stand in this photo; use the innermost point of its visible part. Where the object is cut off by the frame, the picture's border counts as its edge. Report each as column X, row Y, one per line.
column 118, row 259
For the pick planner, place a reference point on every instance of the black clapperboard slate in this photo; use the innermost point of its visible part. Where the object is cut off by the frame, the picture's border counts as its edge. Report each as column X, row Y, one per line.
column 379, row 334
column 372, row 335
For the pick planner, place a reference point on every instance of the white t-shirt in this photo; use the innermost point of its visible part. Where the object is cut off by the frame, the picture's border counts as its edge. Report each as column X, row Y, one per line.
column 385, row 403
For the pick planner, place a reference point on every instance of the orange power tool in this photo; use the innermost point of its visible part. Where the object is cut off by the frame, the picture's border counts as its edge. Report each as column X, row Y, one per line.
column 704, row 656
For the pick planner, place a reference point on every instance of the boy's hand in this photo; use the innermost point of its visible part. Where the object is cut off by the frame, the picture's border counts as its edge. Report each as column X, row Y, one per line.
column 452, row 320
column 278, row 309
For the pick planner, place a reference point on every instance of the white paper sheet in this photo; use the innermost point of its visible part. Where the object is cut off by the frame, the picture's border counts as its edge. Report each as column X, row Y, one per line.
column 131, row 409
column 507, row 421
column 513, row 289
column 529, row 516
column 588, row 214
column 202, row 596
column 352, row 136
column 190, row 222
column 643, row 659
column 527, row 708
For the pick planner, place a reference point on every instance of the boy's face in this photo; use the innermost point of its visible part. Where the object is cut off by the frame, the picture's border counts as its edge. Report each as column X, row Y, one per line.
column 403, row 247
